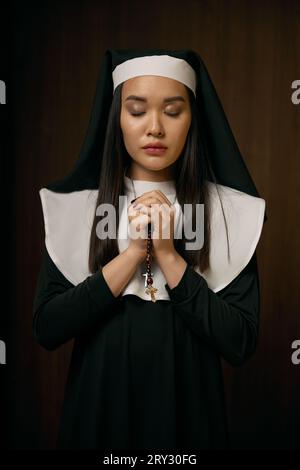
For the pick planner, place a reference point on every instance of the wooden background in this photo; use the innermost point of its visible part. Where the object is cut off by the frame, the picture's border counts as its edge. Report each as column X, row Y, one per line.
column 252, row 51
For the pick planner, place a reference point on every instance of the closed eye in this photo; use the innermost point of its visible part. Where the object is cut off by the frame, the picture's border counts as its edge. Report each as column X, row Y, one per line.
column 169, row 114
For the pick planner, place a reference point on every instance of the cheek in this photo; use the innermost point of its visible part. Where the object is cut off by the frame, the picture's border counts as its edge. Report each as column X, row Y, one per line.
column 126, row 130
column 131, row 138
column 181, row 131
column 130, row 128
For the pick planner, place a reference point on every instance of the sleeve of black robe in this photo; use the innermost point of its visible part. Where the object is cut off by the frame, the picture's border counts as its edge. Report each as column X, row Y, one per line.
column 227, row 320
column 62, row 311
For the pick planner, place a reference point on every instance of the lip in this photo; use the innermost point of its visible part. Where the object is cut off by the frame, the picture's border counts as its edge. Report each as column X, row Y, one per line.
column 155, row 145
column 155, row 150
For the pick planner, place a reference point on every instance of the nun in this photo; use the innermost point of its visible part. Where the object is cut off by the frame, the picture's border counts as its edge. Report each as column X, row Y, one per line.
column 151, row 316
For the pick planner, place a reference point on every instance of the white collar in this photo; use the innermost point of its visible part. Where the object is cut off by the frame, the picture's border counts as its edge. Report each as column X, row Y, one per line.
column 68, row 243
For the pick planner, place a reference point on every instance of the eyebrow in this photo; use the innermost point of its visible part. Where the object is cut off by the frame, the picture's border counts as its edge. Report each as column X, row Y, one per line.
column 166, row 100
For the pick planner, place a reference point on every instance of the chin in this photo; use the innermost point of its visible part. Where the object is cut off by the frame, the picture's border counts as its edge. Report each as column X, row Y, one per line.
column 158, row 163
column 157, row 168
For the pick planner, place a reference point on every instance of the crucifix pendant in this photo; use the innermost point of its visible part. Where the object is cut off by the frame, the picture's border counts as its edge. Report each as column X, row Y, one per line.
column 151, row 290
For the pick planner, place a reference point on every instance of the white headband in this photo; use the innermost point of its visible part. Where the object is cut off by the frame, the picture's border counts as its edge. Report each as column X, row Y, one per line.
column 162, row 65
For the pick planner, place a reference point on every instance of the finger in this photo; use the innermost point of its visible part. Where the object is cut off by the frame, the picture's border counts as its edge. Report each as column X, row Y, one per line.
column 152, row 196
column 159, row 214
column 164, row 197
column 140, row 217
column 165, row 210
column 152, row 202
column 140, row 208
column 163, row 220
column 157, row 193
column 139, row 224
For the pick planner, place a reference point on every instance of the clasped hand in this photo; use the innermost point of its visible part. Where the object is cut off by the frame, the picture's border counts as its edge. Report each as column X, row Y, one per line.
column 155, row 207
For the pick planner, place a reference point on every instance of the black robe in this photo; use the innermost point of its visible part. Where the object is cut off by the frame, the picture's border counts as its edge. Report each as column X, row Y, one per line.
column 146, row 375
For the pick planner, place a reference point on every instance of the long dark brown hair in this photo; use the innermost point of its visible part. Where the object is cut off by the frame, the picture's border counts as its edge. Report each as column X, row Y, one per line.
column 192, row 172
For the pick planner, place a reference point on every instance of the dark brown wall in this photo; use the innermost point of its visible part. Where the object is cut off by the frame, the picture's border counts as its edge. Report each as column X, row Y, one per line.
column 251, row 49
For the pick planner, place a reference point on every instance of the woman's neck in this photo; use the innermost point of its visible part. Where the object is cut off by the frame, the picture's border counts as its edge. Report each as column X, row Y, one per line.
column 136, row 172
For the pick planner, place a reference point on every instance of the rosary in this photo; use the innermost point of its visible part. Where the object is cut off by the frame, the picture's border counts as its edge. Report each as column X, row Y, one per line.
column 150, row 289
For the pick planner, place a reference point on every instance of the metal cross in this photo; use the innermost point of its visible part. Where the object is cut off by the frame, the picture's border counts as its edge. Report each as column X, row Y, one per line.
column 151, row 290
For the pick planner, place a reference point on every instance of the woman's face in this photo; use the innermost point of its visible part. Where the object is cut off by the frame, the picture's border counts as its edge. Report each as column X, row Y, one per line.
column 163, row 119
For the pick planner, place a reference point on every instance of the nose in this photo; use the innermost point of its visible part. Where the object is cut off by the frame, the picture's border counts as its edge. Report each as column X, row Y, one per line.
column 155, row 126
